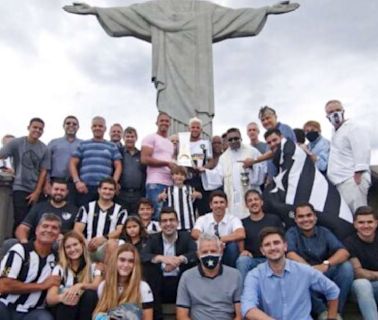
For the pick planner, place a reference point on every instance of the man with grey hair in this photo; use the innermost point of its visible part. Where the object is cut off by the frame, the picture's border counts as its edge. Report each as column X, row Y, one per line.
column 94, row 160
column 201, row 152
column 210, row 290
column 349, row 157
column 253, row 131
column 26, row 274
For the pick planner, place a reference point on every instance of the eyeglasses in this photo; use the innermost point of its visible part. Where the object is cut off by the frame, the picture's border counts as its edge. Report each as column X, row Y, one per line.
column 233, row 139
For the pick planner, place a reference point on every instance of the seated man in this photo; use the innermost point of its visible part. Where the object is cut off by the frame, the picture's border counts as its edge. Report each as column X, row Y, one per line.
column 211, row 290
column 166, row 255
column 319, row 248
column 226, row 226
column 250, row 254
column 281, row 288
column 57, row 204
column 26, row 274
column 100, row 220
column 363, row 248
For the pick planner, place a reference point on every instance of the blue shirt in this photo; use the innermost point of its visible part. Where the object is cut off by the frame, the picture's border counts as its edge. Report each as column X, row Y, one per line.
column 315, row 249
column 96, row 160
column 286, row 296
column 320, row 147
column 61, row 151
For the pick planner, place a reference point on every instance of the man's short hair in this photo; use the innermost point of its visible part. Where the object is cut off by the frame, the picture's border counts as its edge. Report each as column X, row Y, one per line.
column 162, row 113
column 304, row 205
column 108, row 180
column 180, row 170
column 253, row 191
column 269, row 132
column 59, row 181
column 231, row 130
column 209, row 237
column 50, row 217
column 365, row 211
column 267, row 231
column 70, row 117
column 334, row 101
column 265, row 111
column 145, row 201
column 313, row 123
column 168, row 210
column 116, row 125
column 36, row 119
column 130, row 130
column 99, row 118
column 218, row 193
column 195, row 119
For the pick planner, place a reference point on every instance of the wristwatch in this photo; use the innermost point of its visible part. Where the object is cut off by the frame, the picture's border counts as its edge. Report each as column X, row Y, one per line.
column 327, row 263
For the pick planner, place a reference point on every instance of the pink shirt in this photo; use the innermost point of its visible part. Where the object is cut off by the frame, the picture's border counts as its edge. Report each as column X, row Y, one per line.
column 162, row 150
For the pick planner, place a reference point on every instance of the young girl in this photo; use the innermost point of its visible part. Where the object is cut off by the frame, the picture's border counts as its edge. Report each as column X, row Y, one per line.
column 134, row 232
column 123, row 294
column 76, row 297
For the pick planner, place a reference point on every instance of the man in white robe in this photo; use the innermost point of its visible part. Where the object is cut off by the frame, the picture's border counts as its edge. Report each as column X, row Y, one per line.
column 181, row 33
column 230, row 171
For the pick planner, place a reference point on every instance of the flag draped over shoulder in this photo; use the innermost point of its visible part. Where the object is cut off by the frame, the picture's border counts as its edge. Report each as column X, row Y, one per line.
column 298, row 181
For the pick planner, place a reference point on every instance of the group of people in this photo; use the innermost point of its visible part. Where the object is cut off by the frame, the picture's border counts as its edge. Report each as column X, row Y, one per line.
column 135, row 229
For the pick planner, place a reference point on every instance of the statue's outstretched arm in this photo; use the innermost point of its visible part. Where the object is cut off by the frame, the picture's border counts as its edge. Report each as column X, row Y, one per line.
column 80, row 8
column 282, row 7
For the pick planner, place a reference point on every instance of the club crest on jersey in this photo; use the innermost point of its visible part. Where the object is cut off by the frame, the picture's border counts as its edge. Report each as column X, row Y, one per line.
column 66, row 215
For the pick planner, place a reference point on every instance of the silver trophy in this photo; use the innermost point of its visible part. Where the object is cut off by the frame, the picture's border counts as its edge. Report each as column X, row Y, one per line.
column 244, row 177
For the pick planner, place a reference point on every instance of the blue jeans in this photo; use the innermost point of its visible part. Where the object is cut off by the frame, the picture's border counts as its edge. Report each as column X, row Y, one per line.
column 11, row 314
column 245, row 264
column 366, row 293
column 342, row 275
column 152, row 193
column 230, row 254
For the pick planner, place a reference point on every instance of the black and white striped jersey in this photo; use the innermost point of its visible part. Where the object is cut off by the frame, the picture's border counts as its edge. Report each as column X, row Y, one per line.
column 68, row 278
column 23, row 263
column 181, row 199
column 100, row 222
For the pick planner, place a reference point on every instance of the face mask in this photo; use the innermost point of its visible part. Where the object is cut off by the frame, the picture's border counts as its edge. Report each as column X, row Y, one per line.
column 336, row 118
column 210, row 261
column 312, row 136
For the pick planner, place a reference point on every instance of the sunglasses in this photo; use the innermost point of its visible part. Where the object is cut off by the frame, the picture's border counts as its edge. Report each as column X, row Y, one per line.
column 233, row 139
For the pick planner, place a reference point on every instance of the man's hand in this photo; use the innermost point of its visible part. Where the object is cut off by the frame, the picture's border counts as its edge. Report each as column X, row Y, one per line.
column 50, row 281
column 80, row 8
column 247, row 163
column 357, row 177
column 81, row 187
column 94, row 243
column 283, row 7
column 321, row 267
column 246, row 253
column 33, row 197
column 163, row 196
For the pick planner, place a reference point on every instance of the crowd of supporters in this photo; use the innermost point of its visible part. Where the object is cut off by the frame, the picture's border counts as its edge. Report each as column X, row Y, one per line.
column 224, row 229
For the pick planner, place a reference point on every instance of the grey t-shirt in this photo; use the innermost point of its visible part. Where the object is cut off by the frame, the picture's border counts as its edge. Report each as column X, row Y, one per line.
column 28, row 159
column 210, row 298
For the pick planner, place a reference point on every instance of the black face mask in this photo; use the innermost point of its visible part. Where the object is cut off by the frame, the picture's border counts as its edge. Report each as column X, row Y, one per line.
column 312, row 136
column 210, row 261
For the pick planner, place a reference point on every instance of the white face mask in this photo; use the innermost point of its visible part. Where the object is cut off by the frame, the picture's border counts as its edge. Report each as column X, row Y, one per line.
column 336, row 118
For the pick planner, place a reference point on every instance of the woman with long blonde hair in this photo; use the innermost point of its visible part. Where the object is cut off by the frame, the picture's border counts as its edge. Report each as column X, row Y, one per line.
column 75, row 298
column 123, row 293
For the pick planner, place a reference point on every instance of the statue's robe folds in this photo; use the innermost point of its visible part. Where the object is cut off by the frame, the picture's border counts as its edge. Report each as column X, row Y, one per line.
column 182, row 33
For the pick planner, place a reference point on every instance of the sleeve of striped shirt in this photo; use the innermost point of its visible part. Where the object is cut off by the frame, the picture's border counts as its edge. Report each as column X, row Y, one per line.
column 122, row 215
column 82, row 215
column 12, row 262
column 57, row 271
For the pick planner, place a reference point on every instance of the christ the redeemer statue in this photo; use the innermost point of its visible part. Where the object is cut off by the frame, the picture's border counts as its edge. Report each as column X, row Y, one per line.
column 182, row 33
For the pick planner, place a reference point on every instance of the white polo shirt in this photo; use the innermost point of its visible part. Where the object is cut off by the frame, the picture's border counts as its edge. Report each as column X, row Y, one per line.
column 229, row 223
column 350, row 152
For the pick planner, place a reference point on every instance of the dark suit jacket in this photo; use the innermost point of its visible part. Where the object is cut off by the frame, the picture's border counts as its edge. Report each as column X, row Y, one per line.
column 185, row 246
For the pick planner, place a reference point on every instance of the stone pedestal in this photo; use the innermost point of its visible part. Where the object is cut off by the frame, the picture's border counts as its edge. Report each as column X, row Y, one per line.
column 6, row 206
